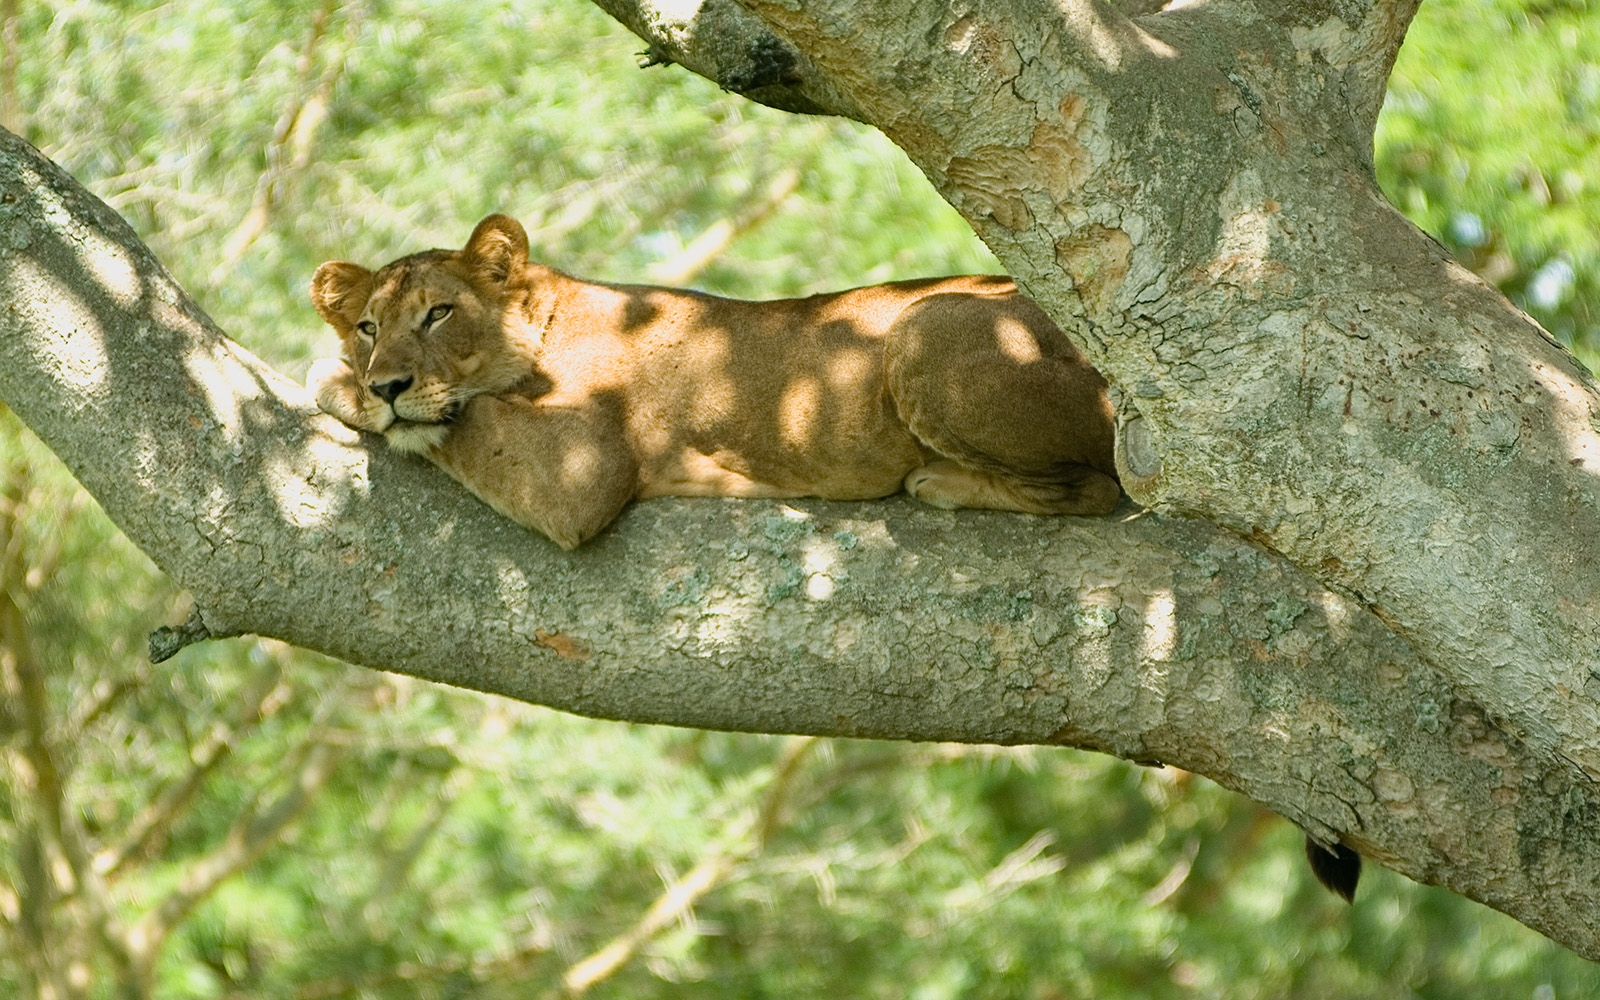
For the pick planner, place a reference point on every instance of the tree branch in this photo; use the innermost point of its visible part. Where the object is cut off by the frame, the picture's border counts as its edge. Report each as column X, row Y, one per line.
column 1148, row 636
column 724, row 43
column 1190, row 195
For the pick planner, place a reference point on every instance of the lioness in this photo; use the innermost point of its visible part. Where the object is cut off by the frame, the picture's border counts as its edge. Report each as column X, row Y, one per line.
column 557, row 400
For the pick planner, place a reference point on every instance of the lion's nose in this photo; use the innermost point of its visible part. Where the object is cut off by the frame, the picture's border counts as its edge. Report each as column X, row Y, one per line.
column 390, row 391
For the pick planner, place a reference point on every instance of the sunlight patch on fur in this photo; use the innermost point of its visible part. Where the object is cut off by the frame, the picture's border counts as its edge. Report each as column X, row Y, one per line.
column 849, row 367
column 1016, row 341
column 797, row 413
column 578, row 465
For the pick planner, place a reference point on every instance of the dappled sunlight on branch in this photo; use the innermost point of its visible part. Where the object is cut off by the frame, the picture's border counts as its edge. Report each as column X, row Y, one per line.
column 1160, row 627
column 74, row 352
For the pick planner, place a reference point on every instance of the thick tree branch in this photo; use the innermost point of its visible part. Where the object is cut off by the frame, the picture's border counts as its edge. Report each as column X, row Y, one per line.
column 724, row 43
column 1148, row 636
column 1190, row 194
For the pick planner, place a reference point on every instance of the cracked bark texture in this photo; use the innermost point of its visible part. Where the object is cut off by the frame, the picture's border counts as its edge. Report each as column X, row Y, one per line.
column 1190, row 193
column 1363, row 592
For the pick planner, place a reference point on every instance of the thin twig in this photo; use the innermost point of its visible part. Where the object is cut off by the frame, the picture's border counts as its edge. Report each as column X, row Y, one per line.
column 289, row 152
column 252, row 833
column 267, row 692
column 1167, row 887
column 397, row 864
column 746, row 838
column 42, row 772
column 717, row 237
column 10, row 55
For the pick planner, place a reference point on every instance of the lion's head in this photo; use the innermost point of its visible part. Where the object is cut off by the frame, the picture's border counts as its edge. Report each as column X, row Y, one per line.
column 430, row 331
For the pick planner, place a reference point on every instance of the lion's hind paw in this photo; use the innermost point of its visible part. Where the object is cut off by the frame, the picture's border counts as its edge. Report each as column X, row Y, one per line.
column 1077, row 490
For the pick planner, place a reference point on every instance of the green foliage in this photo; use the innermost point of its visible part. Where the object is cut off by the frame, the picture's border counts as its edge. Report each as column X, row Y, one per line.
column 465, row 846
column 1490, row 140
column 436, row 115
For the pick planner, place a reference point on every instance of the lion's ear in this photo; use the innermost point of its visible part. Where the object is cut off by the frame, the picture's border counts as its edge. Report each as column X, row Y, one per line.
column 340, row 291
column 498, row 248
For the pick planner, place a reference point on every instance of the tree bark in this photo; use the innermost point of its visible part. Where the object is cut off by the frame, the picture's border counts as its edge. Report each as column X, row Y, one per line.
column 1362, row 593
column 1190, row 193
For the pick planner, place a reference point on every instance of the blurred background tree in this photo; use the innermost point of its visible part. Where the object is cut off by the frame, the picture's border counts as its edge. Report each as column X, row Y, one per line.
column 249, row 820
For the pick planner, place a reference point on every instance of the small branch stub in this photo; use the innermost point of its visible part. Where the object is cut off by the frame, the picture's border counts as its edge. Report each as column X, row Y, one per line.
column 168, row 640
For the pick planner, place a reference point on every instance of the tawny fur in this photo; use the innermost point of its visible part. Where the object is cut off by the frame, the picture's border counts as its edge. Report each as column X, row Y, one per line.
column 557, row 400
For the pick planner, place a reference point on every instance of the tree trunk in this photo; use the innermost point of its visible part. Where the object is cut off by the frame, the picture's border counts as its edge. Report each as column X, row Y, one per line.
column 1363, row 589
column 1191, row 194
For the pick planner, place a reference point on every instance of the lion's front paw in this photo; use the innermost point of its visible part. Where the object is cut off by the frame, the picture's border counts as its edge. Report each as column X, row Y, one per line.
column 418, row 439
column 340, row 394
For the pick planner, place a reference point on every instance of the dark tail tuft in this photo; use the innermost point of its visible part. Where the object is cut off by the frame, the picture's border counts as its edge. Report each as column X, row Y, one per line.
column 1337, row 867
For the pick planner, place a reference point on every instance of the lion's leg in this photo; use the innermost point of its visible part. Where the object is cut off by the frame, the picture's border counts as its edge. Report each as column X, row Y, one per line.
column 1017, row 418
column 1078, row 489
column 563, row 471
column 340, row 394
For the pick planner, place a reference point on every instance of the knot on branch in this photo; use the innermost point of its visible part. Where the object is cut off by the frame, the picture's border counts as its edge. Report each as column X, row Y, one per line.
column 768, row 63
column 168, row 640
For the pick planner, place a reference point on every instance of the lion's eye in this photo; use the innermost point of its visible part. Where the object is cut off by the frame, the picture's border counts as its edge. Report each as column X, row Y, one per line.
column 367, row 328
column 436, row 314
